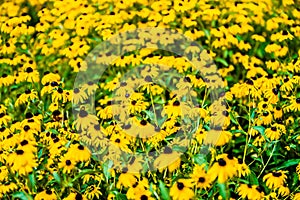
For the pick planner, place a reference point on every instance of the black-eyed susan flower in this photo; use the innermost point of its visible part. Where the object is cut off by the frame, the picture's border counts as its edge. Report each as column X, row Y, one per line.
column 85, row 120
column 223, row 169
column 275, row 179
column 46, row 195
column 181, row 189
column 294, row 105
column 21, row 161
column 200, row 177
column 250, row 191
column 168, row 159
column 273, row 133
column 78, row 153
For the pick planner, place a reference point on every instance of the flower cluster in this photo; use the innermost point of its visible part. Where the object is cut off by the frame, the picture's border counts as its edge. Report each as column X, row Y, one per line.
column 168, row 118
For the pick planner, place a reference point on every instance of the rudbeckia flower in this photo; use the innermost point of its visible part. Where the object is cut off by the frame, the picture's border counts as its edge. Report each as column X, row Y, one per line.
column 223, row 169
column 168, row 159
column 85, row 120
column 22, row 162
column 275, row 179
column 181, row 190
column 67, row 164
column 294, row 105
column 78, row 153
column 250, row 192
column 200, row 177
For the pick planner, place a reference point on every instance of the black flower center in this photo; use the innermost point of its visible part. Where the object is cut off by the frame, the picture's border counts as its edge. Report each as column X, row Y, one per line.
column 83, row 113
column 28, row 115
column 143, row 122
column 76, row 90
column 29, row 70
column 265, row 114
column 20, row 152
column 123, row 84
column 284, row 32
column 275, row 91
column 222, row 162
column 201, row 180
column 78, row 197
column 24, row 142
column 225, row 113
column 26, row 128
column 168, row 150
column 49, row 192
column 148, row 78
column 127, row 126
column 180, row 186
column 176, row 103
column 144, row 197
column 187, row 79
column 54, row 84
column 68, row 162
column 276, row 174
column 259, row 189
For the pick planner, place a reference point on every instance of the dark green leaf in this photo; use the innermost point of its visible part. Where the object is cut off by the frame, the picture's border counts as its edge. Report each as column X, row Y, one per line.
column 164, row 191
column 289, row 163
column 57, row 177
column 32, row 181
column 223, row 61
column 222, row 190
column 22, row 196
column 253, row 179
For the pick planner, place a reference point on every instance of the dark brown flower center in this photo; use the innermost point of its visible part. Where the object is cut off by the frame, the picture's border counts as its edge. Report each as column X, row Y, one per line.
column 168, row 150
column 201, row 180
column 180, row 186
column 83, row 113
column 276, row 174
column 222, row 162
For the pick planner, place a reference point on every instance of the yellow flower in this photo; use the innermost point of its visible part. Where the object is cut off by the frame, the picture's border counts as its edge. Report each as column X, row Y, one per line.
column 250, row 192
column 181, row 190
column 275, row 179
column 200, row 177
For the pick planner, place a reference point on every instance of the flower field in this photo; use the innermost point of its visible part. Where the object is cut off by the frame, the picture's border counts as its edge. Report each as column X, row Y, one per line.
column 143, row 99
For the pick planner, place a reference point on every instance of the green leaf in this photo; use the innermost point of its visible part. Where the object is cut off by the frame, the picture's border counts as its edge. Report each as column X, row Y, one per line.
column 40, row 153
column 106, row 167
column 22, row 196
column 222, row 190
column 164, row 191
column 232, row 118
column 178, row 148
column 260, row 129
column 84, row 172
column 252, row 113
column 200, row 159
column 206, row 32
column 289, row 163
column 253, row 179
column 120, row 196
column 221, row 60
column 237, row 131
column 32, row 181
column 57, row 177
